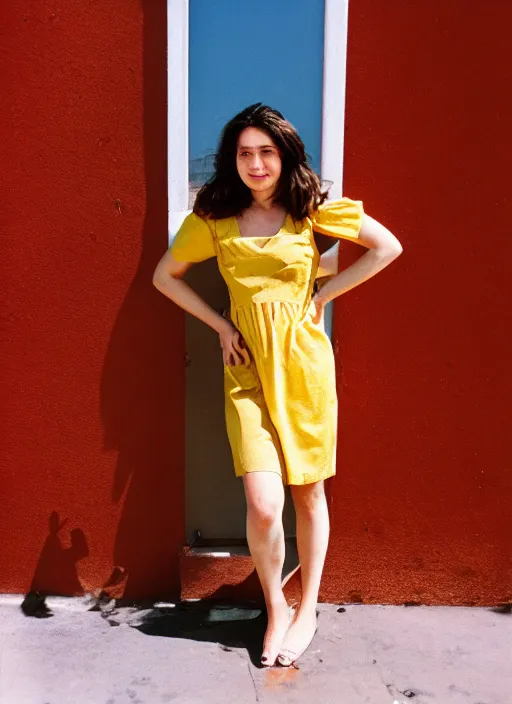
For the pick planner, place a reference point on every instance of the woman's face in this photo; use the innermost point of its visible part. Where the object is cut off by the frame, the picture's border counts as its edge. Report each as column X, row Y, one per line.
column 258, row 161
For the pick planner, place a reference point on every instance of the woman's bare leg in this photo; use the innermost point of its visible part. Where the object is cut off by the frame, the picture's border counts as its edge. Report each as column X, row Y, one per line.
column 312, row 540
column 264, row 493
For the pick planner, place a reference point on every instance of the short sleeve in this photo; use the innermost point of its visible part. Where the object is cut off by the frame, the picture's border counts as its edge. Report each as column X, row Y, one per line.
column 193, row 241
column 339, row 218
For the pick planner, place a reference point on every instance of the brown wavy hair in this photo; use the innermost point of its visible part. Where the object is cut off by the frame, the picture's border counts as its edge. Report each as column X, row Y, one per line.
column 298, row 190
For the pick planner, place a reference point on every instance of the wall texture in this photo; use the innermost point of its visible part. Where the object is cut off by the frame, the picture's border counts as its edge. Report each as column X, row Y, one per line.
column 93, row 371
column 424, row 472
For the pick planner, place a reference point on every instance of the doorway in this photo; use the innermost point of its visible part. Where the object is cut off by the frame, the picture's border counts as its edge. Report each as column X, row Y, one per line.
column 224, row 56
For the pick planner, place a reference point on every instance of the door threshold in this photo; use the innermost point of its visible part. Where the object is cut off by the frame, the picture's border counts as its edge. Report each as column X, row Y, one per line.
column 219, row 568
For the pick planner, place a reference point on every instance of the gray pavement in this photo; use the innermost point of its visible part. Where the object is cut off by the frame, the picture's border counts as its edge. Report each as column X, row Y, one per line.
column 85, row 653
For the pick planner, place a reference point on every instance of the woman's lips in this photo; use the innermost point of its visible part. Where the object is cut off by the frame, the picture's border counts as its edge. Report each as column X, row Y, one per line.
column 260, row 176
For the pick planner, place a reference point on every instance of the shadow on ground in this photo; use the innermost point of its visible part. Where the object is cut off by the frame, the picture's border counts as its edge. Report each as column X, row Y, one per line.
column 229, row 625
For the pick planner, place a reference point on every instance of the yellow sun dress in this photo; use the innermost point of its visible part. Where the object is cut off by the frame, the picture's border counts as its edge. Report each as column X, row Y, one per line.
column 281, row 405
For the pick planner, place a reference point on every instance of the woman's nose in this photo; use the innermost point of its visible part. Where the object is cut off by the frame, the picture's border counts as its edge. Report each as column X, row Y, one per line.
column 256, row 162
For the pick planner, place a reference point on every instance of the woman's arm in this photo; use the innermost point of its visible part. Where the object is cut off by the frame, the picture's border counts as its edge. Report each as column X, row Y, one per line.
column 383, row 248
column 328, row 264
column 167, row 279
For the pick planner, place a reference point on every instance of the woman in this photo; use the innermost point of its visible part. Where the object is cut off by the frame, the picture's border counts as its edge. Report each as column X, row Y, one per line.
column 258, row 215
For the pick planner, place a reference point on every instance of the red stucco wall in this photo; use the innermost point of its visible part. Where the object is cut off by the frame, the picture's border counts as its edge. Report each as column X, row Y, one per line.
column 93, row 435
column 420, row 501
column 93, row 375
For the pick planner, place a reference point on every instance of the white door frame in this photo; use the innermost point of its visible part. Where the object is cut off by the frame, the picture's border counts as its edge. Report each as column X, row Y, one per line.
column 333, row 103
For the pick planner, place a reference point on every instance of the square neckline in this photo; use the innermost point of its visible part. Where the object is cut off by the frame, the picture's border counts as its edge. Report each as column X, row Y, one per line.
column 259, row 237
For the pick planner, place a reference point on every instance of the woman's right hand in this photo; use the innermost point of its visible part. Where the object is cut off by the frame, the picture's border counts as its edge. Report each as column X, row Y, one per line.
column 234, row 351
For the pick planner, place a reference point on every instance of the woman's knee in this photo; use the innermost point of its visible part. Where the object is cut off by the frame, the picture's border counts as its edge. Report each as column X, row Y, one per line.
column 308, row 498
column 265, row 498
column 264, row 513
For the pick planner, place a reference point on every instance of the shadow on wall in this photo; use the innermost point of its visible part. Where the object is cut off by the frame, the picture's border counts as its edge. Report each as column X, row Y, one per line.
column 56, row 565
column 142, row 394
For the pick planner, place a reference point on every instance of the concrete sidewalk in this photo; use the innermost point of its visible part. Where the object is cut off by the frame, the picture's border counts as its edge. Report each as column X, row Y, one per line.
column 203, row 654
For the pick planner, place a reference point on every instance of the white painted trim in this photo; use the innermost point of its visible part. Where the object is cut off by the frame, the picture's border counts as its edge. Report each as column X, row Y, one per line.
column 333, row 95
column 177, row 110
column 333, row 115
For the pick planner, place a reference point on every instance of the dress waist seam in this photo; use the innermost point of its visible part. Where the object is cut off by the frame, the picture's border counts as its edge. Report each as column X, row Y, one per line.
column 252, row 304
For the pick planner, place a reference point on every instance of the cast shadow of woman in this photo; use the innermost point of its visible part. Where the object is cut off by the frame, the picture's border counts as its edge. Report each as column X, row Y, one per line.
column 55, row 572
column 142, row 386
